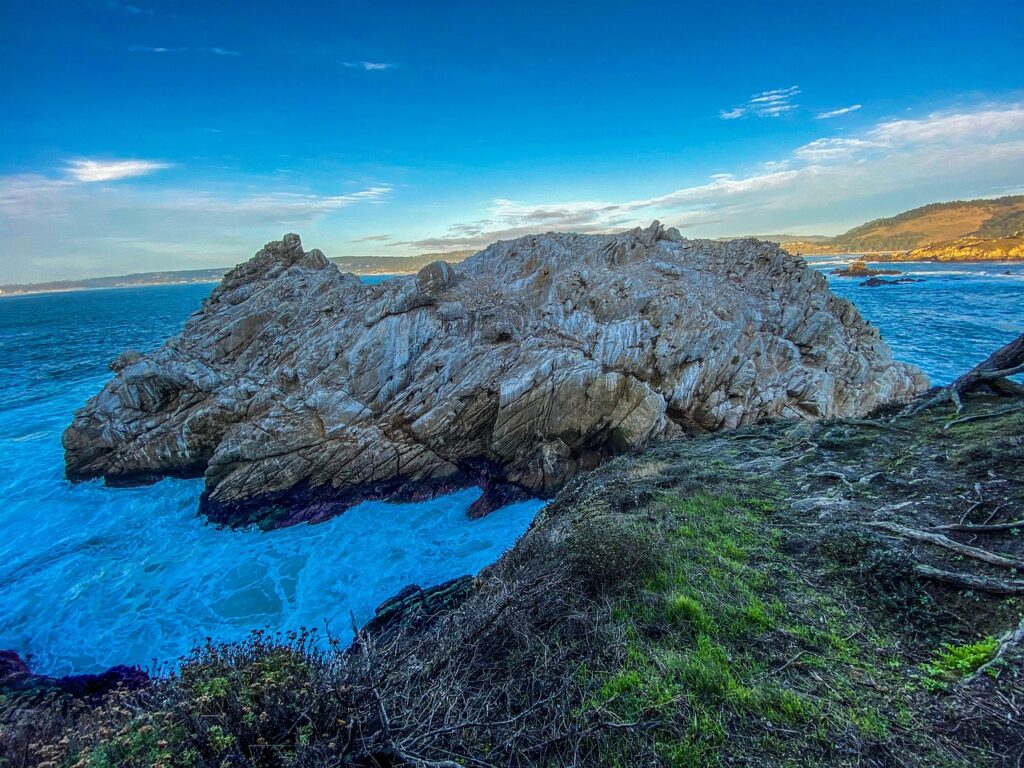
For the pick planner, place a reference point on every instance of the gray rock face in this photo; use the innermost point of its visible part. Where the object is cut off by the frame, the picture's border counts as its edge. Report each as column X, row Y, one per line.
column 298, row 390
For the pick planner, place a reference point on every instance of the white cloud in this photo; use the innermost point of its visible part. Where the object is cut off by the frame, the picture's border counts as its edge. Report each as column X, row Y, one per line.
column 56, row 228
column 62, row 226
column 162, row 49
column 131, row 10
column 154, row 49
column 821, row 150
column 111, row 170
column 941, row 155
column 773, row 103
column 276, row 206
column 368, row 66
column 837, row 112
column 985, row 124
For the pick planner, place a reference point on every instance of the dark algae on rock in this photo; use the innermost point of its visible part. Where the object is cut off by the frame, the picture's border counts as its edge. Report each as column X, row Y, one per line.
column 843, row 592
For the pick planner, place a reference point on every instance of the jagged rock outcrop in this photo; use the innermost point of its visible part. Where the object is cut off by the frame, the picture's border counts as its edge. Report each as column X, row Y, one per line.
column 414, row 607
column 298, row 390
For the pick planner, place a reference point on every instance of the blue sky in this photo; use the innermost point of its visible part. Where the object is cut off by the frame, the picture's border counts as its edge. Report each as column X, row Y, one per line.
column 150, row 134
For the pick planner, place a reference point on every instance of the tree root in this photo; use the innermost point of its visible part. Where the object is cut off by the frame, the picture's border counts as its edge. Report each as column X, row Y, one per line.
column 1006, row 642
column 993, row 372
column 982, row 416
column 968, row 528
column 971, row 581
column 939, row 540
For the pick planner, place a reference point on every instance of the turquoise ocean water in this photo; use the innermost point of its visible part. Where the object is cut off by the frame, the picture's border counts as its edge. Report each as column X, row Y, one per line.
column 92, row 576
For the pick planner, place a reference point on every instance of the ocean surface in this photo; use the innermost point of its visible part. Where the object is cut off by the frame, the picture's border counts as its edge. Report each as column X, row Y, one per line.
column 93, row 576
column 949, row 322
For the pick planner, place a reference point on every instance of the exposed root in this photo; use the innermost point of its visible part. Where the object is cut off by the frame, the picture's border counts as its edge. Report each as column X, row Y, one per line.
column 971, row 580
column 993, row 372
column 975, row 553
column 1006, row 642
column 978, row 489
column 968, row 528
column 982, row 416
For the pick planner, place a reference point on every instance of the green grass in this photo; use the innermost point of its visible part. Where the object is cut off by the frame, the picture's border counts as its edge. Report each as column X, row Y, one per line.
column 725, row 635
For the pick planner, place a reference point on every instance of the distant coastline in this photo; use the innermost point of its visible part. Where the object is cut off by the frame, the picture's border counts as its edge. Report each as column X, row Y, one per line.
column 12, row 291
column 965, row 251
column 359, row 265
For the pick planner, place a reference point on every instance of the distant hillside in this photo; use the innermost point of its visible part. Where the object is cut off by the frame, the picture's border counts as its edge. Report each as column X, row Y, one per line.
column 782, row 238
column 360, row 265
column 118, row 281
column 395, row 265
column 939, row 222
column 968, row 249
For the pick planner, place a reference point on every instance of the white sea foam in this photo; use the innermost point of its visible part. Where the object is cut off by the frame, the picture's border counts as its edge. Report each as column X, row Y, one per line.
column 94, row 576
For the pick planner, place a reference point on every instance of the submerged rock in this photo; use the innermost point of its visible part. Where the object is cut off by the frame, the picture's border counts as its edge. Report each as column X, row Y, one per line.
column 875, row 282
column 297, row 390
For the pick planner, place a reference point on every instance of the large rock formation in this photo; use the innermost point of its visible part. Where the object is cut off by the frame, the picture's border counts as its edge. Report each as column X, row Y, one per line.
column 298, row 390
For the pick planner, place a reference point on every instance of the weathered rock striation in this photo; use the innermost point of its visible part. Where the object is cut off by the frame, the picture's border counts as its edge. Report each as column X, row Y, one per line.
column 298, row 390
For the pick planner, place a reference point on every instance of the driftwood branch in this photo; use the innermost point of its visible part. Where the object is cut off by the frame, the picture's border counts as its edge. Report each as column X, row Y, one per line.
column 993, row 372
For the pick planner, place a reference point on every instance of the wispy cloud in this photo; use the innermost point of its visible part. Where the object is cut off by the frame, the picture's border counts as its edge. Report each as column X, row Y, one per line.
column 368, row 66
column 952, row 153
column 978, row 126
column 163, row 49
column 773, row 103
column 111, row 170
column 131, row 10
column 154, row 49
column 275, row 206
column 141, row 12
column 822, row 150
column 61, row 224
column 837, row 112
column 60, row 227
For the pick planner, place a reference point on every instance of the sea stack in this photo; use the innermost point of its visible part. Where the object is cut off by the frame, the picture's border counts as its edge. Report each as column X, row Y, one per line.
column 297, row 391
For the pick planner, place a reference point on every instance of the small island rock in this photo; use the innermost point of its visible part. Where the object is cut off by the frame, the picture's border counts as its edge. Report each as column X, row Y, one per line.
column 297, row 390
